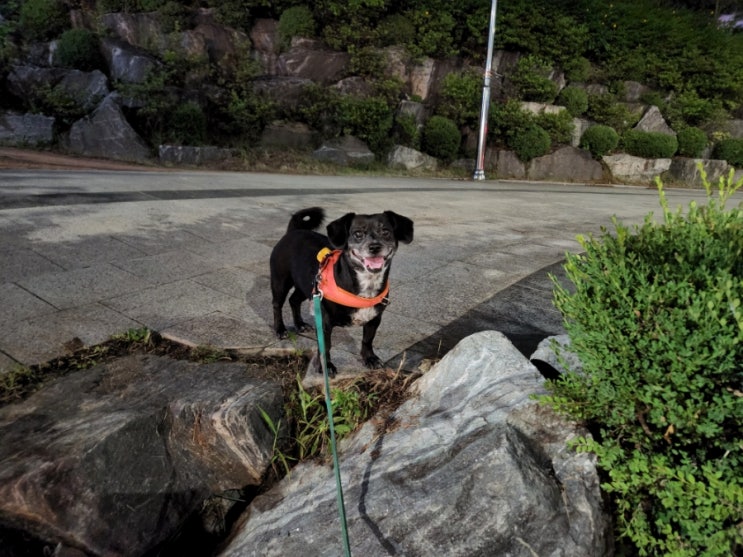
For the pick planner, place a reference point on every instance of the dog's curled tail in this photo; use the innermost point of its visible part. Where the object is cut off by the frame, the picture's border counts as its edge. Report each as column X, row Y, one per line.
column 306, row 219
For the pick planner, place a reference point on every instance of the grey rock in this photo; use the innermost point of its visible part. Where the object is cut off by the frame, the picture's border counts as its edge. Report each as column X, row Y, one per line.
column 580, row 125
column 24, row 81
column 633, row 91
column 567, row 164
column 113, row 459
column 308, row 59
column 265, row 38
column 125, row 62
column 410, row 159
column 106, row 133
column 505, row 163
column 355, row 86
column 653, row 121
column 143, row 29
column 555, row 352
column 635, row 170
column 25, row 129
column 469, row 465
column 87, row 88
column 735, row 128
column 415, row 109
column 285, row 91
column 294, row 135
column 686, row 171
column 344, row 151
column 193, row 155
column 541, row 108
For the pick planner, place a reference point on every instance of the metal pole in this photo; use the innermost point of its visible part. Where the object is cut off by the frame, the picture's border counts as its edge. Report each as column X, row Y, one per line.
column 480, row 164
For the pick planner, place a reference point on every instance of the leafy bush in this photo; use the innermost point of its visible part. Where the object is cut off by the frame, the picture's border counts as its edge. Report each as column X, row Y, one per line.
column 433, row 32
column 406, row 131
column 574, row 99
column 604, row 109
column 577, row 69
column 395, row 29
column 599, row 140
column 460, row 98
column 366, row 61
column 43, row 19
column 654, row 315
column 531, row 79
column 368, row 119
column 534, row 141
column 692, row 142
column 441, row 138
column 730, row 150
column 650, row 145
column 78, row 48
column 186, row 125
column 506, row 120
column 559, row 126
column 296, row 21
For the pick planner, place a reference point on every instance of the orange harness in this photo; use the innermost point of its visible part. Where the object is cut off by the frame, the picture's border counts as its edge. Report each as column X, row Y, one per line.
column 326, row 285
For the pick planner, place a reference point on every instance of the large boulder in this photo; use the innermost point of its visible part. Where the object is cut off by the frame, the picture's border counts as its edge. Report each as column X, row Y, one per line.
column 86, row 89
column 505, row 163
column 107, row 134
column 309, row 59
column 286, row 92
column 405, row 158
column 686, row 171
column 635, row 170
column 292, row 135
column 193, row 155
column 265, row 38
column 113, row 460
column 25, row 129
column 567, row 164
column 469, row 465
column 127, row 63
column 653, row 121
column 344, row 151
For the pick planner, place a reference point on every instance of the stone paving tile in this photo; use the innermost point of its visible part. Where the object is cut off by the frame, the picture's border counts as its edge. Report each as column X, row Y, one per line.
column 166, row 267
column 98, row 282
column 86, row 251
column 163, row 306
column 18, row 304
column 238, row 252
column 218, row 329
column 233, row 281
column 20, row 263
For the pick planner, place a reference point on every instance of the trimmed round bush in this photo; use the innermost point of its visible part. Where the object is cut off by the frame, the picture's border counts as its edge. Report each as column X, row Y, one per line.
column 692, row 142
column 187, row 125
column 649, row 145
column 441, row 138
column 533, row 141
column 730, row 150
column 599, row 140
column 296, row 21
column 78, row 48
column 574, row 99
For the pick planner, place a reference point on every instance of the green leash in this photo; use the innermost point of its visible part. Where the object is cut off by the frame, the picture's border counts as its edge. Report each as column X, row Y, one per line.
column 317, row 298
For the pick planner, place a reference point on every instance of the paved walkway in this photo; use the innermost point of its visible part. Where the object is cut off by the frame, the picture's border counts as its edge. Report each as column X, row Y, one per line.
column 88, row 254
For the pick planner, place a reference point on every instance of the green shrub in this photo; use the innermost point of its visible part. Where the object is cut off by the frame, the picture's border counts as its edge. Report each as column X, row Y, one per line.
column 461, row 97
column 296, row 21
column 186, row 125
column 730, row 150
column 599, row 140
column 654, row 316
column 43, row 19
column 406, row 131
column 507, row 120
column 692, row 142
column 604, row 109
column 369, row 119
column 559, row 126
column 650, row 145
column 396, row 29
column 574, row 99
column 577, row 69
column 78, row 48
column 531, row 79
column 534, row 141
column 441, row 138
column 366, row 61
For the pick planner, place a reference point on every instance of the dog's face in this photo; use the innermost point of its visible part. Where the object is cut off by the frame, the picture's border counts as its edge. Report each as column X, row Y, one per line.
column 370, row 240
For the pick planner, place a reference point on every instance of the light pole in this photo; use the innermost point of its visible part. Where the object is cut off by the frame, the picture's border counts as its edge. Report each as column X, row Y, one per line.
column 480, row 163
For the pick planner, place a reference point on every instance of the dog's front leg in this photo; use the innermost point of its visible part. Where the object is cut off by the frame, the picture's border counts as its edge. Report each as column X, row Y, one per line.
column 326, row 331
column 370, row 359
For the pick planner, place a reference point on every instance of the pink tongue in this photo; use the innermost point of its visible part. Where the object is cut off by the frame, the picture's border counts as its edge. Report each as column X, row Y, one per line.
column 374, row 262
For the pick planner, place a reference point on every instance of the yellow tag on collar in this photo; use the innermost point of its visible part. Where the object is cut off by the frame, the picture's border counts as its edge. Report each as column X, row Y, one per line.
column 322, row 254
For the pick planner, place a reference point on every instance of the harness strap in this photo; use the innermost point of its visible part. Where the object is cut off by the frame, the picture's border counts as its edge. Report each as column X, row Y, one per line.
column 326, row 284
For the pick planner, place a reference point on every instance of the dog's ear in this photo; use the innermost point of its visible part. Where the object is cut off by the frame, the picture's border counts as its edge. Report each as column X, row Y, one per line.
column 338, row 230
column 402, row 226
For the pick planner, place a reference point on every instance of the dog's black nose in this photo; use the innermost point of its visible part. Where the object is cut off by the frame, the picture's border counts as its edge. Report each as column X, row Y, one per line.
column 375, row 248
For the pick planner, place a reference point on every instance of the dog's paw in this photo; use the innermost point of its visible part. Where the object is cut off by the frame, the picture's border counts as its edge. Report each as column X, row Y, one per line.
column 304, row 328
column 282, row 334
column 373, row 362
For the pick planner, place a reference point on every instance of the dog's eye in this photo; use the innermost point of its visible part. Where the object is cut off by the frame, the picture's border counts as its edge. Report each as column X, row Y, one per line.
column 386, row 233
column 358, row 235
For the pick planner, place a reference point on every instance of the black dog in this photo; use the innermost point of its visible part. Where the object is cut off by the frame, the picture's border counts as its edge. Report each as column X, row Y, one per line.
column 360, row 266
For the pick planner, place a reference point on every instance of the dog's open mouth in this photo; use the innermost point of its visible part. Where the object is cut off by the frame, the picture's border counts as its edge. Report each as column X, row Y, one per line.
column 374, row 263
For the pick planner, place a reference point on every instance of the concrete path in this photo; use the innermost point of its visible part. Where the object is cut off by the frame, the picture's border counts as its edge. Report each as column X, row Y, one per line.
column 89, row 254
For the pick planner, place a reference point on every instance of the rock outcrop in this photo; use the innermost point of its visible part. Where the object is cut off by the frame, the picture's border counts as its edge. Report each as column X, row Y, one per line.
column 114, row 459
column 470, row 465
